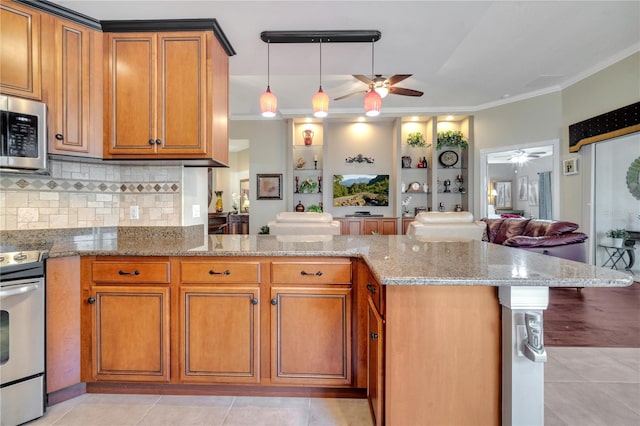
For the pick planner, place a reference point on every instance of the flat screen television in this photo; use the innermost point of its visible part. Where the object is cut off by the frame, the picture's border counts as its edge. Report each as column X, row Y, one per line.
column 360, row 190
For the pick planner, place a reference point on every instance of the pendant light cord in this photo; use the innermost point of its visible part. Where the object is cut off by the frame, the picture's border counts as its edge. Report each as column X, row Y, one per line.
column 321, row 63
column 372, row 58
column 268, row 62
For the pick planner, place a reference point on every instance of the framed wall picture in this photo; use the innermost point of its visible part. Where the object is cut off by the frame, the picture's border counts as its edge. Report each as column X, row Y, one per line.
column 523, row 188
column 503, row 195
column 269, row 186
column 570, row 166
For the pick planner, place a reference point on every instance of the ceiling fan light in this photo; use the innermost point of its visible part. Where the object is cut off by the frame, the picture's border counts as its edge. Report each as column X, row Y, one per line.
column 320, row 102
column 268, row 103
column 372, row 103
column 382, row 91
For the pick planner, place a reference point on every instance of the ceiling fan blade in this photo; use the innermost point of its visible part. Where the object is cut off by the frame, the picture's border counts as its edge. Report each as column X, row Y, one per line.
column 349, row 95
column 397, row 78
column 363, row 78
column 404, row 92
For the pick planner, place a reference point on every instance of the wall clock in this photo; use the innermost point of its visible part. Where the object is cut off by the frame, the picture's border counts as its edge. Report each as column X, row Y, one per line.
column 448, row 158
column 633, row 178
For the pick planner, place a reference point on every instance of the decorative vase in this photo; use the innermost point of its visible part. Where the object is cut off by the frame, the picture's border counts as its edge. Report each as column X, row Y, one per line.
column 218, row 201
column 307, row 136
column 618, row 242
column 300, row 207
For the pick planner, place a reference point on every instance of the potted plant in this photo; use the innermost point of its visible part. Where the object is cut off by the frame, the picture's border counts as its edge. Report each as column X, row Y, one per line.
column 308, row 186
column 314, row 208
column 618, row 236
column 452, row 138
column 416, row 140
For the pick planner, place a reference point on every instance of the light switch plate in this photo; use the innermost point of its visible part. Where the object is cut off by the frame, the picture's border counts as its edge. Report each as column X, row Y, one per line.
column 196, row 210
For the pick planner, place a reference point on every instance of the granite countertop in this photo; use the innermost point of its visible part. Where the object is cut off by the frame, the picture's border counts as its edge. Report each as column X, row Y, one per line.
column 393, row 259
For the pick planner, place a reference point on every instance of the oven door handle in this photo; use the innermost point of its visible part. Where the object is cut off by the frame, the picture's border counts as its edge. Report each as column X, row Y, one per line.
column 23, row 289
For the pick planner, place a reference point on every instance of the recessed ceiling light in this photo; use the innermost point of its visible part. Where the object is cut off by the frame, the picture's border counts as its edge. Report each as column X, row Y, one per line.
column 361, row 119
column 506, row 95
column 449, row 118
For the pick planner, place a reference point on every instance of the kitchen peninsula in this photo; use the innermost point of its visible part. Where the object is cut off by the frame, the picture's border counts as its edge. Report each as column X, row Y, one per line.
column 418, row 325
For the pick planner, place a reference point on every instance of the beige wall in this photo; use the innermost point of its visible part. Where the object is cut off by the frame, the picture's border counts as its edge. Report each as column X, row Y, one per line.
column 612, row 88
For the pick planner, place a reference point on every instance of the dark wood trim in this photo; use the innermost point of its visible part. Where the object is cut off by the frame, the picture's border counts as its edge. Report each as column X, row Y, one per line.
column 62, row 12
column 69, row 392
column 612, row 124
column 196, row 24
column 235, row 389
column 150, row 25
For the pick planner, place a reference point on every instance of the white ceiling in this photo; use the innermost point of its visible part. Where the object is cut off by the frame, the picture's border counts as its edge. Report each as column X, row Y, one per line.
column 464, row 56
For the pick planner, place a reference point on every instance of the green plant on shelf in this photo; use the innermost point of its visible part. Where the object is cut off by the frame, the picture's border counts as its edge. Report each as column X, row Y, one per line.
column 314, row 208
column 452, row 138
column 618, row 233
column 416, row 140
column 308, row 186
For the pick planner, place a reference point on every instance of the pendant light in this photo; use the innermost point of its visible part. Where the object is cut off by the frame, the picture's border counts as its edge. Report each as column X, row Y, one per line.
column 268, row 101
column 320, row 100
column 372, row 100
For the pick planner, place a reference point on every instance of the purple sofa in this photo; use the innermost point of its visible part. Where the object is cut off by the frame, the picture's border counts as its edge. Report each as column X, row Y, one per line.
column 551, row 237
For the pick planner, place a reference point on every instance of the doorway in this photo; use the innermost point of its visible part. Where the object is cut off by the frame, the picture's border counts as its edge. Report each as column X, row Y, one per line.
column 518, row 169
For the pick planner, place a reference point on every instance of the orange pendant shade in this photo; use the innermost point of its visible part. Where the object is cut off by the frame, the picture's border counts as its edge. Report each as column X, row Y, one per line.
column 268, row 103
column 372, row 103
column 320, row 102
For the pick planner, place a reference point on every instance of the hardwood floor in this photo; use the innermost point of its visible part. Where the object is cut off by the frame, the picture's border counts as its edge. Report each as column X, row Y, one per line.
column 593, row 317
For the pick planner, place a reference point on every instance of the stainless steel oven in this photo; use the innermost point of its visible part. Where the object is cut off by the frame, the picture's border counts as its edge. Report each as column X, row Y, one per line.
column 23, row 135
column 22, row 337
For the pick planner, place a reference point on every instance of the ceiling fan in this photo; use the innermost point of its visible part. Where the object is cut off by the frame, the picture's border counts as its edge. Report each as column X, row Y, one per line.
column 519, row 155
column 383, row 85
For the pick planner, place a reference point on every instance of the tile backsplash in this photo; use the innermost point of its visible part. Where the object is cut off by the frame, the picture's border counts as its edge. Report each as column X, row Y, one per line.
column 85, row 195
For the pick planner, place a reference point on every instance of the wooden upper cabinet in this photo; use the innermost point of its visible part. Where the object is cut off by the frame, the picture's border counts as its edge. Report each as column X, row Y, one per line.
column 19, row 51
column 130, row 94
column 73, row 89
column 166, row 96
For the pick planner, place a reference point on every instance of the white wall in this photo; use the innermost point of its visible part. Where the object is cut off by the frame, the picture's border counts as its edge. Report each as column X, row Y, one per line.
column 195, row 195
column 267, row 154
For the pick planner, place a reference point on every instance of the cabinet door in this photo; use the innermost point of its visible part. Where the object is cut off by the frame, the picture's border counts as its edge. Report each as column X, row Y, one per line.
column 75, row 106
column 130, row 94
column 375, row 364
column 130, row 333
column 220, row 334
column 19, row 51
column 182, row 93
column 311, row 336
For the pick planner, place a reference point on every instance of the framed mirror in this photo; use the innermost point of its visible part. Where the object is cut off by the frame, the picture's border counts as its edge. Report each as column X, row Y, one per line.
column 503, row 195
column 244, row 195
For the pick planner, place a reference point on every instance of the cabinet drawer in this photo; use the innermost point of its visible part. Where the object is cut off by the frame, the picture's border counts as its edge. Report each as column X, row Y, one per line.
column 131, row 272
column 311, row 272
column 220, row 272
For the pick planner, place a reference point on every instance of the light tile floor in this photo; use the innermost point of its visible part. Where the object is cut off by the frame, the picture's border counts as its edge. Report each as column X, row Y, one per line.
column 583, row 386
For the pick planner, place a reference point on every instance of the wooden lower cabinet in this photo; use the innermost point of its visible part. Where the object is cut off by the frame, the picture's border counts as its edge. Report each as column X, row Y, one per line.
column 311, row 335
column 220, row 334
column 268, row 322
column 131, row 333
column 368, row 225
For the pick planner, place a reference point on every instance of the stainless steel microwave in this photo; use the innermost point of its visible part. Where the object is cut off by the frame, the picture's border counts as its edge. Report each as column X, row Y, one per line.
column 23, row 135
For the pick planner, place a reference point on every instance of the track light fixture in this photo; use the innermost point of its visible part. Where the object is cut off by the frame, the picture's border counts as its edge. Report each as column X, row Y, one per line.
column 268, row 101
column 320, row 100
